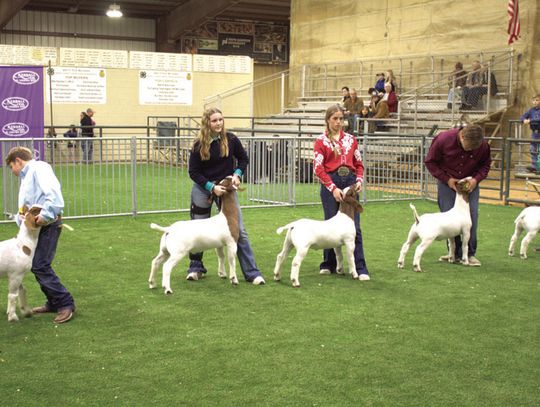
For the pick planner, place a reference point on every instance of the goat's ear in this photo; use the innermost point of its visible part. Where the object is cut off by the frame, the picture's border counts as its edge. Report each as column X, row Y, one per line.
column 35, row 210
column 24, row 209
column 358, row 208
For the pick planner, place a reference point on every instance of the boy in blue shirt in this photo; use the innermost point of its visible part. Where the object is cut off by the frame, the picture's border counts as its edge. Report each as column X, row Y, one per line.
column 532, row 118
column 39, row 186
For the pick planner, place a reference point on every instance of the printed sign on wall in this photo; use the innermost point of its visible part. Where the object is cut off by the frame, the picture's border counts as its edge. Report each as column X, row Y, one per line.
column 165, row 88
column 78, row 85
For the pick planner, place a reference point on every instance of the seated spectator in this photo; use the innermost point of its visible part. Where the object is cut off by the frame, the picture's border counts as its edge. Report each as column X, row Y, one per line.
column 380, row 111
column 390, row 97
column 345, row 93
column 352, row 106
column 379, row 85
column 477, row 86
column 456, row 81
column 391, row 79
column 472, row 91
column 488, row 78
column 365, row 113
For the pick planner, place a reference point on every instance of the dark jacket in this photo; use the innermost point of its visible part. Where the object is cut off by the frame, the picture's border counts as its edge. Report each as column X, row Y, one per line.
column 87, row 131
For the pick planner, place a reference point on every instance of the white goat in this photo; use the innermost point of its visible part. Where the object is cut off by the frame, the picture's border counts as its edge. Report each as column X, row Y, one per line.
column 16, row 257
column 439, row 226
column 329, row 234
column 198, row 235
column 529, row 220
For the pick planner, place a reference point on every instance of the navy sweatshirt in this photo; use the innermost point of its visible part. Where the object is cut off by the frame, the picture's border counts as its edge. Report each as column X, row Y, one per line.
column 206, row 173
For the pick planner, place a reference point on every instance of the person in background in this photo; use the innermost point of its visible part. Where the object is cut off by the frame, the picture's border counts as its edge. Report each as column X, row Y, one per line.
column 456, row 82
column 390, row 97
column 365, row 113
column 352, row 107
column 71, row 145
column 87, row 126
column 345, row 93
column 338, row 164
column 391, row 79
column 473, row 89
column 453, row 155
column 532, row 118
column 379, row 84
column 379, row 108
column 215, row 155
column 40, row 187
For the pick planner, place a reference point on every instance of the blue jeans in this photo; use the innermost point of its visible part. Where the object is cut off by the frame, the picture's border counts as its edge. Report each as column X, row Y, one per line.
column 199, row 199
column 535, row 147
column 58, row 297
column 87, row 147
column 446, row 197
column 330, row 208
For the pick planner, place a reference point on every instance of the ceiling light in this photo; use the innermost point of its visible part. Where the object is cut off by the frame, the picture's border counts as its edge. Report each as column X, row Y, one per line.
column 114, row 11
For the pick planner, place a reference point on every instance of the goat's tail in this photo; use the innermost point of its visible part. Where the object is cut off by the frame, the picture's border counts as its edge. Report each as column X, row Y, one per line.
column 160, row 228
column 280, row 230
column 416, row 217
column 519, row 219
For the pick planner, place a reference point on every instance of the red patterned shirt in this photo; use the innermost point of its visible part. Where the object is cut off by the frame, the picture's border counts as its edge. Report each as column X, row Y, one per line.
column 326, row 160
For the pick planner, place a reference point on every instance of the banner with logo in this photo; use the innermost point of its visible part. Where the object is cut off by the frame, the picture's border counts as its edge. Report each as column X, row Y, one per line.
column 21, row 105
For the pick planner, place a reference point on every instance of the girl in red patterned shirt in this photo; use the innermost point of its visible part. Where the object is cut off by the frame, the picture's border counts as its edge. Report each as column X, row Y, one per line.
column 338, row 164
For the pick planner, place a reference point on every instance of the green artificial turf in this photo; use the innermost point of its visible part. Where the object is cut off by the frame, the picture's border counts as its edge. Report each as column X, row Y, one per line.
column 451, row 336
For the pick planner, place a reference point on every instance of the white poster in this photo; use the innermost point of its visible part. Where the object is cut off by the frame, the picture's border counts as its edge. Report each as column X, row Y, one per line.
column 78, row 85
column 97, row 58
column 165, row 88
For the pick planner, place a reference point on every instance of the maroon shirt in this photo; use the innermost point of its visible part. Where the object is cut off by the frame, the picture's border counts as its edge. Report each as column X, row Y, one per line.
column 447, row 159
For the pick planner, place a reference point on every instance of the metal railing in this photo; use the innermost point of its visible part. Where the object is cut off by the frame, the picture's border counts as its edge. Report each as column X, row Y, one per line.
column 134, row 174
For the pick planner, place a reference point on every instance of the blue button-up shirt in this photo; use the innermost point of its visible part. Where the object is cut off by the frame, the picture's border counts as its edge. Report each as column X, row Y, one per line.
column 39, row 186
column 534, row 115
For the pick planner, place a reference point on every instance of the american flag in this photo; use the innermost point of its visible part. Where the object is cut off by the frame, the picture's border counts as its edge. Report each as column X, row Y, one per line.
column 513, row 21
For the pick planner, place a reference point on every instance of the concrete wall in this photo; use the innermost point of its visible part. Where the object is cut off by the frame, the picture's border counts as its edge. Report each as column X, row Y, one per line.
column 123, row 108
column 347, row 30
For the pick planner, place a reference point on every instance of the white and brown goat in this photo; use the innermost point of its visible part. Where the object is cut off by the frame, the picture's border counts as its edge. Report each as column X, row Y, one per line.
column 332, row 233
column 442, row 225
column 528, row 220
column 197, row 235
column 16, row 257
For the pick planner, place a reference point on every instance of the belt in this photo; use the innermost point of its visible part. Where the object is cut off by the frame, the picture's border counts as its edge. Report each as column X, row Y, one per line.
column 343, row 171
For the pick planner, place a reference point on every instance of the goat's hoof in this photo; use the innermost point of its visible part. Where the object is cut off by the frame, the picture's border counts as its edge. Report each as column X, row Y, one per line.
column 277, row 277
column 295, row 283
column 511, row 253
column 168, row 291
column 151, row 285
column 13, row 318
column 400, row 265
column 339, row 271
column 27, row 313
column 523, row 256
column 222, row 274
column 355, row 276
column 234, row 281
column 417, row 269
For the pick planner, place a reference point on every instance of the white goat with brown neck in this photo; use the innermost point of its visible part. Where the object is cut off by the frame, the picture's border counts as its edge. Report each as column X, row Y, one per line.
column 328, row 234
column 16, row 257
column 442, row 225
column 197, row 235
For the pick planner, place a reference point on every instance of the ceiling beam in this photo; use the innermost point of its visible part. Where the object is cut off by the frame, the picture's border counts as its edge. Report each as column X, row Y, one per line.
column 8, row 9
column 192, row 14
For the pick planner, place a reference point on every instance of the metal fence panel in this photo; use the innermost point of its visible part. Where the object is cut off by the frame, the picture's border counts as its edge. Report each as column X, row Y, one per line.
column 133, row 175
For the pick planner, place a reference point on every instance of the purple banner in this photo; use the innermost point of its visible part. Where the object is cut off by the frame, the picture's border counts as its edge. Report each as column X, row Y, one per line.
column 21, row 105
